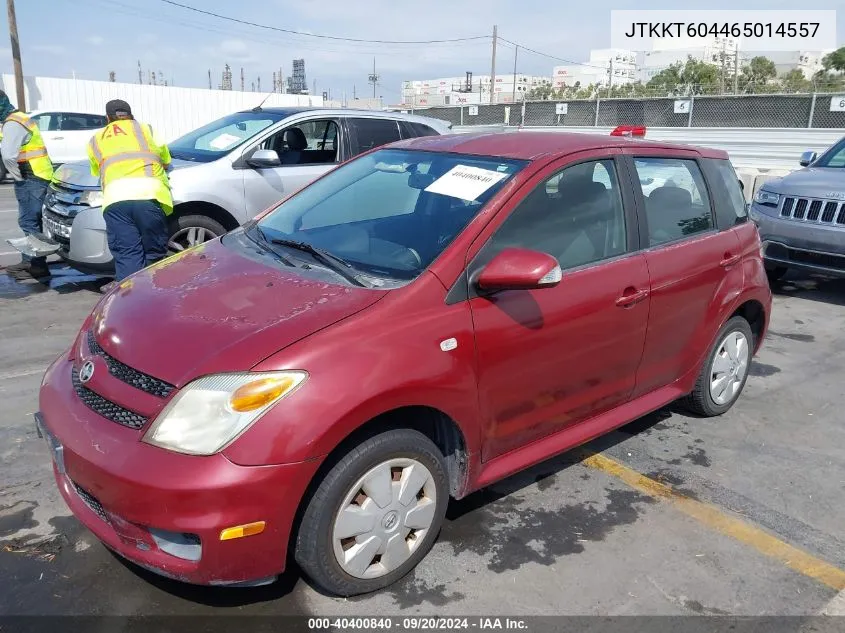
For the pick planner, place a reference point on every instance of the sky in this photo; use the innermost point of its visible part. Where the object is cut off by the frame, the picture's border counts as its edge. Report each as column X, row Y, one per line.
column 89, row 38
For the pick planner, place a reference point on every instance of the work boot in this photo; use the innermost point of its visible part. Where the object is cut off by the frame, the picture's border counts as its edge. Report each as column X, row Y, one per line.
column 25, row 271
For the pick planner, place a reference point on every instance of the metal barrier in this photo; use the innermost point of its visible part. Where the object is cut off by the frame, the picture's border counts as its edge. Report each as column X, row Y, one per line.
column 733, row 111
column 756, row 148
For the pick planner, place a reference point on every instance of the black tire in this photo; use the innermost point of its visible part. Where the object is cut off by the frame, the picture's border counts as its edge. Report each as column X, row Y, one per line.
column 700, row 401
column 179, row 225
column 313, row 548
column 776, row 273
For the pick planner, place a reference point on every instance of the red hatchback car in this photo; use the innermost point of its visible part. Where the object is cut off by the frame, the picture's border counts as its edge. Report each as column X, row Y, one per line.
column 418, row 323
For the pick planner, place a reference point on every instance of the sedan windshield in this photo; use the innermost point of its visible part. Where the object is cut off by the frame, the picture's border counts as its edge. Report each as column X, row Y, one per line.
column 390, row 213
column 220, row 137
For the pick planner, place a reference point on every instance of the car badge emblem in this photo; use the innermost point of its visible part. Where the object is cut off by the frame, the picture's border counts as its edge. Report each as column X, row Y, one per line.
column 87, row 372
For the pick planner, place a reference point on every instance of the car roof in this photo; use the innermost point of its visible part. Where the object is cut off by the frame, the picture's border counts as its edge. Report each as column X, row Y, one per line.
column 378, row 114
column 528, row 145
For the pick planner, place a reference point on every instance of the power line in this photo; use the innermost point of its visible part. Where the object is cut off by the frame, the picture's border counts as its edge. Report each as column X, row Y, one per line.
column 560, row 59
column 326, row 37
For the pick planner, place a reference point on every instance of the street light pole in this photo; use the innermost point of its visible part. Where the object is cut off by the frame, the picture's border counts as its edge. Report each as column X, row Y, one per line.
column 16, row 54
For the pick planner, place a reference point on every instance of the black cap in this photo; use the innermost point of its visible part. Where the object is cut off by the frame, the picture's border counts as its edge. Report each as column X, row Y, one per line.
column 118, row 107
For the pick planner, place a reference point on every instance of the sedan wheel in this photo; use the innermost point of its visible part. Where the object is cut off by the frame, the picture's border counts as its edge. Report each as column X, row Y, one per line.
column 188, row 238
column 729, row 368
column 725, row 370
column 375, row 514
column 384, row 517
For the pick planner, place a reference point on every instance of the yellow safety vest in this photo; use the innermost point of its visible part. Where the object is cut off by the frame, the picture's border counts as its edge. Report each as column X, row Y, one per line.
column 130, row 164
column 33, row 151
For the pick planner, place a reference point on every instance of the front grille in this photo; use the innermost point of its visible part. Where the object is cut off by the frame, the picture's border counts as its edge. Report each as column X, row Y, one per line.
column 813, row 210
column 58, row 226
column 126, row 374
column 91, row 501
column 105, row 408
column 835, row 262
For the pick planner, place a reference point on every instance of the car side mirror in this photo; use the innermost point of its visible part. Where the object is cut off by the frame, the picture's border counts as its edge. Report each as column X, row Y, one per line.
column 264, row 158
column 519, row 269
column 807, row 158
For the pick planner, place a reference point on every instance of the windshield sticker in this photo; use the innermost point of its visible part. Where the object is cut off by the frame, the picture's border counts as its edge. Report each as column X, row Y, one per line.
column 465, row 182
column 223, row 141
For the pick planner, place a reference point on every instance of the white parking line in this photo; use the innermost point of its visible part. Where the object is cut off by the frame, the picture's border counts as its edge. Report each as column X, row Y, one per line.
column 835, row 606
column 2, row 211
column 20, row 374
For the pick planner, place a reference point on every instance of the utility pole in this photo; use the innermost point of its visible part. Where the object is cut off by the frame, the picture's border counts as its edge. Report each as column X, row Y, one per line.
column 16, row 54
column 209, row 78
column 515, row 53
column 736, row 68
column 259, row 83
column 609, row 77
column 493, row 65
column 373, row 79
column 112, row 76
column 140, row 73
column 242, row 78
column 315, row 87
column 722, row 71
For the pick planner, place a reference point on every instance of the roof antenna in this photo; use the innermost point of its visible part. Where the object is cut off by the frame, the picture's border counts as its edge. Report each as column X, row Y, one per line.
column 258, row 107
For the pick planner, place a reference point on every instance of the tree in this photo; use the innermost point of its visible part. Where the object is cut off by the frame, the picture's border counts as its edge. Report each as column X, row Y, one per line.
column 756, row 74
column 541, row 93
column 795, row 81
column 691, row 77
column 835, row 60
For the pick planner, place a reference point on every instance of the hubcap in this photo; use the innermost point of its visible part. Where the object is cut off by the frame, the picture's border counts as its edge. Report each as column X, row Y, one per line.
column 189, row 237
column 384, row 517
column 729, row 368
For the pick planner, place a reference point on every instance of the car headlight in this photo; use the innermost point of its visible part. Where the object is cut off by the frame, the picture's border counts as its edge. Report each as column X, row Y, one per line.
column 767, row 198
column 210, row 412
column 92, row 197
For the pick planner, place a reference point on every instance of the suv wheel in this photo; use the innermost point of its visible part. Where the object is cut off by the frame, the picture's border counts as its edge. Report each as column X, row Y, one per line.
column 375, row 515
column 725, row 371
column 190, row 230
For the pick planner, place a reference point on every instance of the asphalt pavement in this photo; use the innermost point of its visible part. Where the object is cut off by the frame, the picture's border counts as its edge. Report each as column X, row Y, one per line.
column 738, row 515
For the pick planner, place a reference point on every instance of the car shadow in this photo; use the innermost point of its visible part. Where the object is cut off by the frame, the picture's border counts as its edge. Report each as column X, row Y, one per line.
column 64, row 280
column 811, row 287
column 221, row 597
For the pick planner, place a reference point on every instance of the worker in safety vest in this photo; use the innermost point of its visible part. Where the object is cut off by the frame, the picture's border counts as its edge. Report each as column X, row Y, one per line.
column 25, row 158
column 136, row 191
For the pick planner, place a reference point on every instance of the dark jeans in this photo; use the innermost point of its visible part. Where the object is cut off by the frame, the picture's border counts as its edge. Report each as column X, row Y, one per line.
column 137, row 234
column 30, row 193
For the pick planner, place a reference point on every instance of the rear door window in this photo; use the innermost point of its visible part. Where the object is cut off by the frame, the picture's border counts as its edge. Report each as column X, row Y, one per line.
column 370, row 133
column 676, row 200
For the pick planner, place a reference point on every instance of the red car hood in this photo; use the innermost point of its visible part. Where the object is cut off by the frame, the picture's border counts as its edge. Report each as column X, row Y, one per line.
column 214, row 310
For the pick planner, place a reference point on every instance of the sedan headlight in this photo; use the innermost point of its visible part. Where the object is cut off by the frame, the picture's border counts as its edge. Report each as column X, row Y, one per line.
column 767, row 198
column 210, row 412
column 92, row 197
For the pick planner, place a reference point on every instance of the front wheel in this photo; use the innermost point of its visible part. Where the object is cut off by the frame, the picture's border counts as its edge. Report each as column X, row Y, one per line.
column 725, row 371
column 375, row 515
column 188, row 231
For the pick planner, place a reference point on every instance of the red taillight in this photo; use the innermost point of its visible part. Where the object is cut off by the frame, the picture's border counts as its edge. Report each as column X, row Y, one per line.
column 628, row 130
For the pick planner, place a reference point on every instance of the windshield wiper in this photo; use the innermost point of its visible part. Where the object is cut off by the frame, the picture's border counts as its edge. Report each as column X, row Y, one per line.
column 263, row 238
column 335, row 263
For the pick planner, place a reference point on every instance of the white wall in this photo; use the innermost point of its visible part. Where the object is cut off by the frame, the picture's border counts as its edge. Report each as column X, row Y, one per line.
column 171, row 111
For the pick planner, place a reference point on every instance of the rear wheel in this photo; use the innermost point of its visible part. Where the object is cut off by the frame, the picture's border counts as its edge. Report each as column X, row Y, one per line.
column 725, row 371
column 190, row 230
column 375, row 515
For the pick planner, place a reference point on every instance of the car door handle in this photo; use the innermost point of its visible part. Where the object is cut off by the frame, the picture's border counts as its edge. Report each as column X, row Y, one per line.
column 729, row 260
column 58, row 138
column 630, row 297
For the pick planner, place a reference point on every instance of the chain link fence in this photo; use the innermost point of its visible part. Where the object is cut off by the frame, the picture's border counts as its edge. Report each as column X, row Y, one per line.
column 754, row 111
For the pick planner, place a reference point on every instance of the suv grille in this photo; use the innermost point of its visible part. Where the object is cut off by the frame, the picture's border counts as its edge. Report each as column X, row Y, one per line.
column 58, row 225
column 105, row 408
column 813, row 210
column 130, row 376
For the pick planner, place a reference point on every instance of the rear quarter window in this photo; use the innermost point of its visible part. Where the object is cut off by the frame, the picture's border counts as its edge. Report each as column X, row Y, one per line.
column 728, row 196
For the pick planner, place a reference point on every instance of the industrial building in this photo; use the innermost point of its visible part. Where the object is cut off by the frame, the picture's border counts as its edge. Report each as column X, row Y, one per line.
column 470, row 89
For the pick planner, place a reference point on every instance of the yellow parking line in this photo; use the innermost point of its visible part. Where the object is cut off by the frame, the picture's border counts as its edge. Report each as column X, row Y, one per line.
column 711, row 516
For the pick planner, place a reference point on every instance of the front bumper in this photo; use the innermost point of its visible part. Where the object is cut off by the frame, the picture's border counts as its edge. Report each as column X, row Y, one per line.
column 805, row 245
column 132, row 495
column 81, row 231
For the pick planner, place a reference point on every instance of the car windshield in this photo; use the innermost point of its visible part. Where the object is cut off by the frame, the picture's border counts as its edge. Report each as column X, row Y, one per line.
column 390, row 213
column 834, row 157
column 220, row 137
